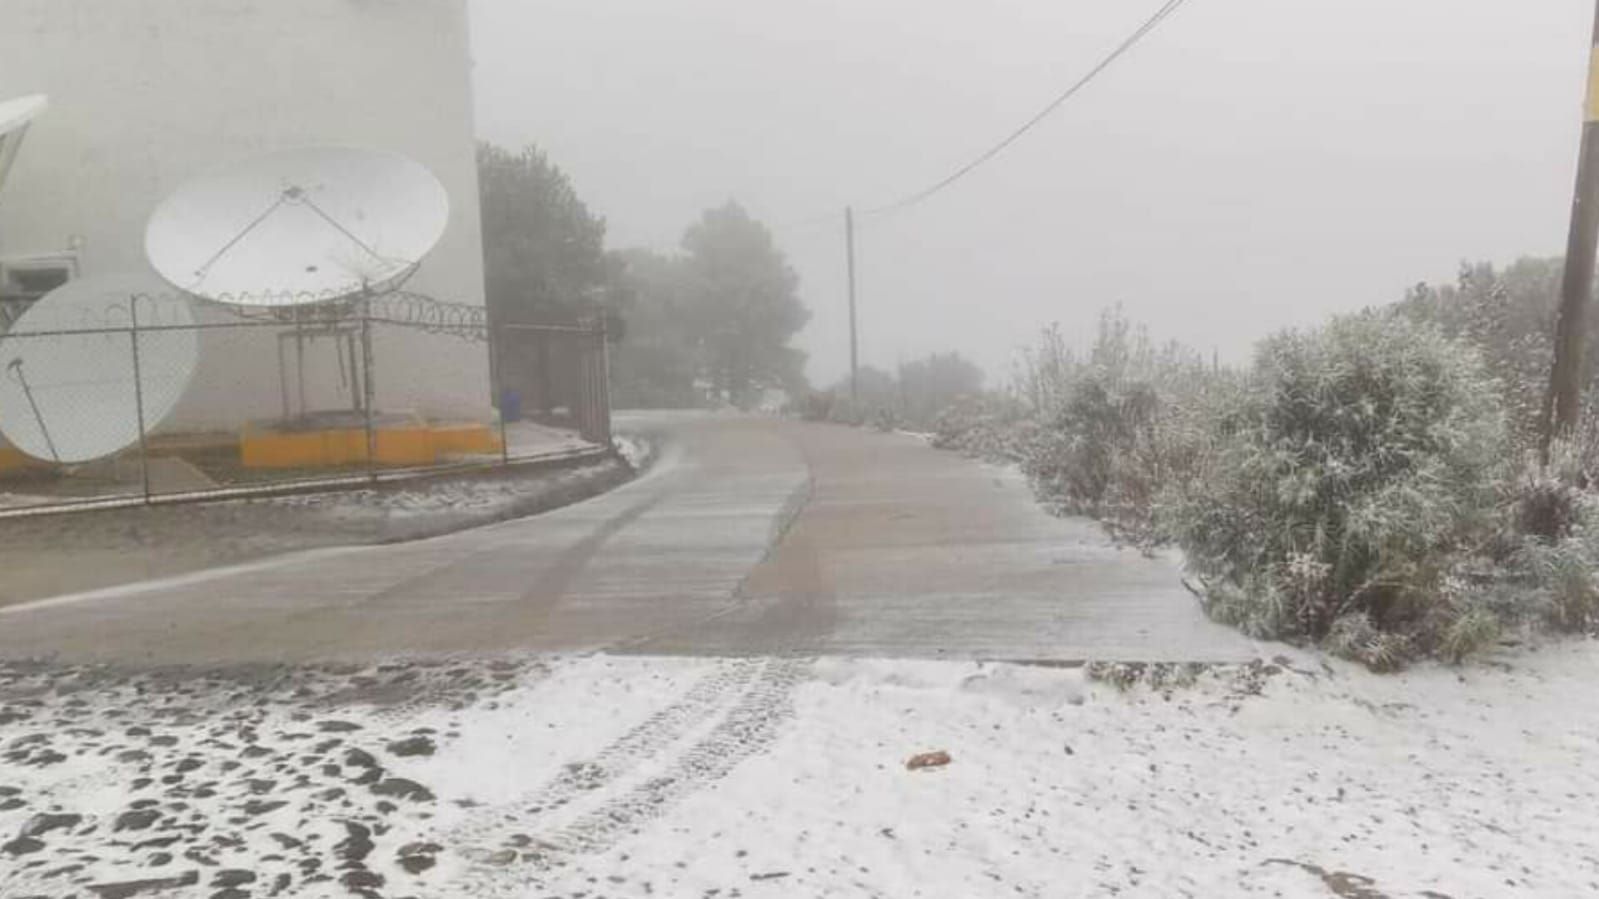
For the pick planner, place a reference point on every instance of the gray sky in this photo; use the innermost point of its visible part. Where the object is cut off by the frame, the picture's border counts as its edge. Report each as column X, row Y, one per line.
column 1254, row 164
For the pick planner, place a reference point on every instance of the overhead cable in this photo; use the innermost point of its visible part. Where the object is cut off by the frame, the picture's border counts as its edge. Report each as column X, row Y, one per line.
column 1154, row 21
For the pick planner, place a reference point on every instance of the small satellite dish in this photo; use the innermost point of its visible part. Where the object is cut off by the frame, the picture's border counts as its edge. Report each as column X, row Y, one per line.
column 15, row 116
column 67, row 396
column 299, row 226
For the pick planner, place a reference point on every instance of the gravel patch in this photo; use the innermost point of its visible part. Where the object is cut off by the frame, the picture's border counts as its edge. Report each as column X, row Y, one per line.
column 268, row 781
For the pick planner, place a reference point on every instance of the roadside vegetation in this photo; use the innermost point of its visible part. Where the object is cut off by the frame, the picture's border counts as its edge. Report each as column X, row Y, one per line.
column 708, row 324
column 910, row 398
column 1371, row 485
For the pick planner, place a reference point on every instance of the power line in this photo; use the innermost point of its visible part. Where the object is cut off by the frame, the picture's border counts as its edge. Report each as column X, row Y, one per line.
column 1154, row 21
column 1167, row 8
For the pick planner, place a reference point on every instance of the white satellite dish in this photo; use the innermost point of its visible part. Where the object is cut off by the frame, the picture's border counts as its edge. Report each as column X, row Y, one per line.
column 68, row 396
column 298, row 226
column 15, row 117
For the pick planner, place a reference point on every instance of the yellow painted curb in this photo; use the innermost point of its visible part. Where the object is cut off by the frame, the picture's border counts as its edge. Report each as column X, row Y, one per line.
column 410, row 444
column 465, row 440
column 13, row 459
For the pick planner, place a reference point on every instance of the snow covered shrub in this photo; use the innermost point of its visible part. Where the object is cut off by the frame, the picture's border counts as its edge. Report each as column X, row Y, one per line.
column 837, row 408
column 1100, row 424
column 1253, row 604
column 1121, row 425
column 1354, row 465
column 1563, row 573
column 1538, row 570
column 1546, row 507
column 988, row 426
column 1469, row 633
column 1546, row 559
column 1353, row 636
column 1506, row 314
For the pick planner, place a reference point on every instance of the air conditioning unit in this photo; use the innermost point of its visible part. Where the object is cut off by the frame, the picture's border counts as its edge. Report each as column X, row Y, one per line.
column 25, row 279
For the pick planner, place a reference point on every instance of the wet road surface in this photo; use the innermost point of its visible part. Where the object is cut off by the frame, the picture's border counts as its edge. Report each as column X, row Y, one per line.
column 748, row 536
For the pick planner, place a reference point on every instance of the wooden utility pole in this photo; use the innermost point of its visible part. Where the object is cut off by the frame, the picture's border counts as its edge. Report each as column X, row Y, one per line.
column 854, row 343
column 1563, row 404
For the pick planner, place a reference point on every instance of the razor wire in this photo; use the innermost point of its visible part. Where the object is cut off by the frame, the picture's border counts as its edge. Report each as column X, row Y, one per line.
column 406, row 309
column 400, row 308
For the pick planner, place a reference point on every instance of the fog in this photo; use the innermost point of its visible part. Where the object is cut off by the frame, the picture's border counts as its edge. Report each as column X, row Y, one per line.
column 1253, row 165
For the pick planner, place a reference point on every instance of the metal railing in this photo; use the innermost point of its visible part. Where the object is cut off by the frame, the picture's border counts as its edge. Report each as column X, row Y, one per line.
column 285, row 398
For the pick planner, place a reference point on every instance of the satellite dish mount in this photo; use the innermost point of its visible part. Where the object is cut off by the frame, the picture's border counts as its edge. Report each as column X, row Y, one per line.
column 309, row 237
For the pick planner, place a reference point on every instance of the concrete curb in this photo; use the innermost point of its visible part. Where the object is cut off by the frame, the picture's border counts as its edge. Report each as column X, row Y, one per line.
column 549, row 461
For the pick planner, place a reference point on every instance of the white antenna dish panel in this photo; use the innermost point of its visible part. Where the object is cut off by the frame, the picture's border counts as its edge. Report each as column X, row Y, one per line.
column 16, row 113
column 15, row 116
column 68, row 396
column 299, row 226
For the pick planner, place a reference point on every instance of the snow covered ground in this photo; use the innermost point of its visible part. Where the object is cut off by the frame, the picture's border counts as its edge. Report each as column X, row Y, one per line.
column 529, row 438
column 637, row 449
column 613, row 776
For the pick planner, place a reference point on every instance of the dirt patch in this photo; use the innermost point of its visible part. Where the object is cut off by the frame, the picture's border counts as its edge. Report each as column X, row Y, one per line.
column 1342, row 883
column 59, row 554
column 264, row 780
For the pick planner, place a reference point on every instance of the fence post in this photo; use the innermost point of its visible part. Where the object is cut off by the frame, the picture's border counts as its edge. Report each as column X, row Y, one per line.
column 497, row 388
column 591, row 408
column 604, row 385
column 367, row 390
column 542, row 380
column 299, row 357
column 591, row 394
column 138, row 395
column 586, row 379
column 283, row 376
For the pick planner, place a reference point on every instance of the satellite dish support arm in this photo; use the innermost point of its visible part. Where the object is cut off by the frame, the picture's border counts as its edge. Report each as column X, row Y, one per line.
column 14, row 369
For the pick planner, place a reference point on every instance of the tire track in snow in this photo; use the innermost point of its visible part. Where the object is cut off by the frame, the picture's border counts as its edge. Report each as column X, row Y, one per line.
column 648, row 739
column 748, row 727
column 744, row 705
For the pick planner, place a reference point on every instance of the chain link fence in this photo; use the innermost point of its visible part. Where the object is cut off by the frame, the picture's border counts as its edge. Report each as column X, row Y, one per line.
column 164, row 399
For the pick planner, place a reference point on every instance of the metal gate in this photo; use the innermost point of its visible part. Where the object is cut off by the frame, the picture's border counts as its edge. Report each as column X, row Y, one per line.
column 554, row 374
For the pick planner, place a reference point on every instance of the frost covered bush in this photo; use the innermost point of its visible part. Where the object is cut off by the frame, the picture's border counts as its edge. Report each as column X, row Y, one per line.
column 1355, row 465
column 1543, row 564
column 1356, row 487
column 1099, row 425
column 992, row 427
column 835, row 406
column 1354, row 636
column 1506, row 314
column 1115, row 427
column 1105, row 454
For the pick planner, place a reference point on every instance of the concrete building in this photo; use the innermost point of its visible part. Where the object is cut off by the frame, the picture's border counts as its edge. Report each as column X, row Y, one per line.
column 147, row 93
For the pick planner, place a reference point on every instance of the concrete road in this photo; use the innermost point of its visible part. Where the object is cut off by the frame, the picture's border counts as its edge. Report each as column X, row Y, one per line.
column 748, row 536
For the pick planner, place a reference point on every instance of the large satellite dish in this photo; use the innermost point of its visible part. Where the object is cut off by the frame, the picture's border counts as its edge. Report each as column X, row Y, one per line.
column 15, row 116
column 67, row 395
column 299, row 226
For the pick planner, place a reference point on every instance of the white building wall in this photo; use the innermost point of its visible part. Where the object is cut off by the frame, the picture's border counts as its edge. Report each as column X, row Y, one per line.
column 145, row 93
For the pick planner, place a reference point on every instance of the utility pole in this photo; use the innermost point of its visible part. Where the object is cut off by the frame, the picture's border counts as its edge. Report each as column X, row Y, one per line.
column 854, row 344
column 1563, row 404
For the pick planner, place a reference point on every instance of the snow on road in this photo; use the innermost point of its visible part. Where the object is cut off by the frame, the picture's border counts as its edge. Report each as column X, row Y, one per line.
column 53, row 555
column 607, row 776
